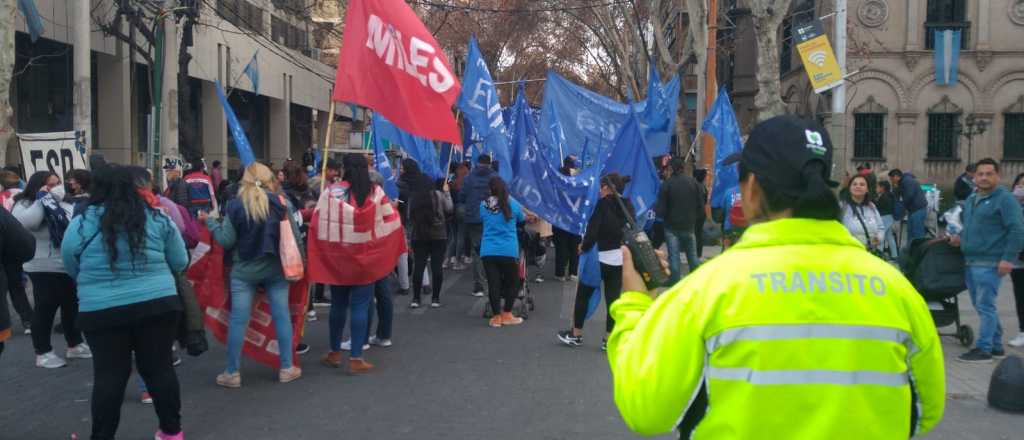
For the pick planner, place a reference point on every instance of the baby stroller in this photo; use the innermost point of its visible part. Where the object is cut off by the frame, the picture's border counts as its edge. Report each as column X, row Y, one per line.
column 936, row 269
column 532, row 252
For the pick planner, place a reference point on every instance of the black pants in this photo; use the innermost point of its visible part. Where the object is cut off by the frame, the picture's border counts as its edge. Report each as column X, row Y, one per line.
column 611, row 278
column 502, row 282
column 19, row 298
column 698, row 231
column 1017, row 275
column 566, row 250
column 421, row 251
column 150, row 339
column 52, row 291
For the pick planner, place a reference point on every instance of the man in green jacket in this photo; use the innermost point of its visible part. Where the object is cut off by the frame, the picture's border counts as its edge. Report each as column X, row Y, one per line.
column 796, row 332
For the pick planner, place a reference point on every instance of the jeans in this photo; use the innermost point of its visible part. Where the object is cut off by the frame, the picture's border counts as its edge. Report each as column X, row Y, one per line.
column 242, row 294
column 698, row 231
column 51, row 291
column 19, row 298
column 475, row 233
column 403, row 271
column 456, row 233
column 915, row 226
column 890, row 236
column 359, row 298
column 150, row 340
column 423, row 250
column 566, row 253
column 503, row 280
column 385, row 307
column 674, row 239
column 983, row 285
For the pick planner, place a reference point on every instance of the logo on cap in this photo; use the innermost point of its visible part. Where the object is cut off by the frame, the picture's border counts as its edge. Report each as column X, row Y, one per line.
column 815, row 142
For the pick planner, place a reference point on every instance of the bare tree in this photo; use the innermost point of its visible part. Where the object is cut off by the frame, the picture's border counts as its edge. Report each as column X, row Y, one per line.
column 8, row 11
column 767, row 16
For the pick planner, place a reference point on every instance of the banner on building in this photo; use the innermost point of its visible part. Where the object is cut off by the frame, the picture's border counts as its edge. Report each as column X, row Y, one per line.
column 58, row 152
column 819, row 59
column 947, row 56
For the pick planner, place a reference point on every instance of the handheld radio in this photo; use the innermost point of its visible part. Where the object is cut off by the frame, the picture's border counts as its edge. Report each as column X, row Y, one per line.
column 645, row 260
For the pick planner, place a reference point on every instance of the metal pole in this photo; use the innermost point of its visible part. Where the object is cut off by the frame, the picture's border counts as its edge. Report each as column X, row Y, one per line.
column 327, row 144
column 710, row 84
column 83, row 73
column 839, row 93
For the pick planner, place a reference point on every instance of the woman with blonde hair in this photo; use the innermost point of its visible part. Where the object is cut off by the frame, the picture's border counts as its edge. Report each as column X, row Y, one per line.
column 252, row 234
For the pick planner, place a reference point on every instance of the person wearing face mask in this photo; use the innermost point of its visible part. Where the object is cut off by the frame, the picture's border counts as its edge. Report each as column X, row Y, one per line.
column 860, row 216
column 41, row 209
column 1017, row 275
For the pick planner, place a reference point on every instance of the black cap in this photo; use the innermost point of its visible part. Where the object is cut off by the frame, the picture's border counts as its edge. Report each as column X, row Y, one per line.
column 779, row 149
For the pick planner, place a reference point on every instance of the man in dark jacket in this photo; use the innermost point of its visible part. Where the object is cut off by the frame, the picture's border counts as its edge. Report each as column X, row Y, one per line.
column 910, row 202
column 475, row 189
column 679, row 205
column 964, row 185
column 18, row 246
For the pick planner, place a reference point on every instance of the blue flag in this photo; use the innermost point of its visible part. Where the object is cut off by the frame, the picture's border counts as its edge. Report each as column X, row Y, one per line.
column 419, row 149
column 482, row 109
column 721, row 124
column 316, row 163
column 380, row 160
column 245, row 153
column 947, row 56
column 33, row 21
column 658, row 119
column 252, row 70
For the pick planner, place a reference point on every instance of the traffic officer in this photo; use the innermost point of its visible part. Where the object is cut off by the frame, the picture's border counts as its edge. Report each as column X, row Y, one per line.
column 796, row 332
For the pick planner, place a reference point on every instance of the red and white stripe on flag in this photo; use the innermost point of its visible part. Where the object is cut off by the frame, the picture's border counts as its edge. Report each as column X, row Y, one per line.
column 390, row 62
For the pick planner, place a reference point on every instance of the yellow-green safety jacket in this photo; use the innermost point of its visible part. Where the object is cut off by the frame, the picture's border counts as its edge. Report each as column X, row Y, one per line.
column 796, row 332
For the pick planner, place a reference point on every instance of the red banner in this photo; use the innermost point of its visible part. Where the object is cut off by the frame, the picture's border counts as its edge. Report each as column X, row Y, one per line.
column 210, row 281
column 390, row 62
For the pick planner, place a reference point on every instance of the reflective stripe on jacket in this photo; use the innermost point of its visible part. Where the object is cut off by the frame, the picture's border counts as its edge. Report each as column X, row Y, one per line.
column 796, row 332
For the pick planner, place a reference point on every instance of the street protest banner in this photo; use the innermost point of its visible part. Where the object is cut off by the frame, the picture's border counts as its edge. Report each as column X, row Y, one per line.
column 58, row 153
column 818, row 57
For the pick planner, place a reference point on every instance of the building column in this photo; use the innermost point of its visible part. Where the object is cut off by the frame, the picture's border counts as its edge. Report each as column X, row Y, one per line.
column 169, row 112
column 907, row 158
column 114, row 95
column 280, row 124
column 83, row 72
column 984, row 25
column 214, row 126
column 915, row 27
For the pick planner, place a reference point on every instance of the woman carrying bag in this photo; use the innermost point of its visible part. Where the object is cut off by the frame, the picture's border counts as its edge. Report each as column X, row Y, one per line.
column 260, row 245
column 860, row 216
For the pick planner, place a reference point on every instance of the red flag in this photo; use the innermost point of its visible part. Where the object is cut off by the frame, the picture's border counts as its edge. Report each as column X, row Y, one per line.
column 391, row 63
column 350, row 245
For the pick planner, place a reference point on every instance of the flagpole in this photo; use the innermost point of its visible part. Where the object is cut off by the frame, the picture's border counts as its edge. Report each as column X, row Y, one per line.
column 451, row 149
column 327, row 143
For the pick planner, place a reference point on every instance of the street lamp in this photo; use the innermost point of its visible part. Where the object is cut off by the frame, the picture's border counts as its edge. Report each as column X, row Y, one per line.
column 972, row 126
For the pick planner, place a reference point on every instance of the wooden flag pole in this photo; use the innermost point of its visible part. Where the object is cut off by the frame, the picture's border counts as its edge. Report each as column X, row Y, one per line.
column 451, row 150
column 327, row 143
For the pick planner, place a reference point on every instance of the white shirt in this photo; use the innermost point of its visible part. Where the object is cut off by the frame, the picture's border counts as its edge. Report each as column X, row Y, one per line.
column 611, row 258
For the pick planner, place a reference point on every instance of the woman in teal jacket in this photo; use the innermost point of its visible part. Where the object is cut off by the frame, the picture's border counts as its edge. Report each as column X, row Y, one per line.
column 499, row 250
column 121, row 252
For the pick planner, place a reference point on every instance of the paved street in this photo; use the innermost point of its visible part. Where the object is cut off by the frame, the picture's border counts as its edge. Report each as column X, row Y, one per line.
column 448, row 376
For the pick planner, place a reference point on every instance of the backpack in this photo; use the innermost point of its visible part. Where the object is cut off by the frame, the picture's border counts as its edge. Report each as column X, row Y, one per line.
column 198, row 190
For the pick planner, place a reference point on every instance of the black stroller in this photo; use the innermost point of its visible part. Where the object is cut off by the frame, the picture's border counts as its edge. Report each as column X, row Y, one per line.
column 936, row 269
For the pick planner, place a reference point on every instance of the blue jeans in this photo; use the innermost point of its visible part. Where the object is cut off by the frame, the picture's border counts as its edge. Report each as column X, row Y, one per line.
column 455, row 239
column 915, row 226
column 359, row 298
column 242, row 294
column 673, row 239
column 385, row 307
column 890, row 236
column 983, row 285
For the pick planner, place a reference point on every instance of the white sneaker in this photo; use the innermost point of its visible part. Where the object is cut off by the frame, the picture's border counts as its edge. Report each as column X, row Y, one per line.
column 49, row 360
column 347, row 346
column 478, row 293
column 381, row 342
column 311, row 316
column 28, row 331
column 1017, row 341
column 574, row 278
column 80, row 351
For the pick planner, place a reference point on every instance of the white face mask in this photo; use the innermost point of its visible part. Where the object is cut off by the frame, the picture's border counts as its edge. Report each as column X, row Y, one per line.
column 58, row 193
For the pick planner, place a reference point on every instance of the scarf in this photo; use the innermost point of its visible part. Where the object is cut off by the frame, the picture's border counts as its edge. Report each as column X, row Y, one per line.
column 56, row 218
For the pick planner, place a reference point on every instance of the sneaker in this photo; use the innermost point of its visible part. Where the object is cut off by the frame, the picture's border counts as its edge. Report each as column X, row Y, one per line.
column 435, row 305
column 508, row 319
column 311, row 316
column 358, row 366
column 379, row 342
column 478, row 293
column 574, row 278
column 560, row 279
column 998, row 353
column 604, row 344
column 539, row 279
column 289, row 374
column 176, row 361
column 146, row 398
column 402, row 292
column 495, row 321
column 414, row 305
column 160, row 435
column 80, row 351
column 1017, row 341
column 321, row 303
column 302, row 348
column 332, row 359
column 49, row 360
column 975, row 356
column 566, row 337
column 28, row 331
column 467, row 260
column 347, row 346
column 459, row 267
column 230, row 380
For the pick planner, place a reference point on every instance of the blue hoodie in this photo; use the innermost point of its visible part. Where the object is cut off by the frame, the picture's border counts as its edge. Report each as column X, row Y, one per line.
column 993, row 228
column 476, row 188
column 910, row 197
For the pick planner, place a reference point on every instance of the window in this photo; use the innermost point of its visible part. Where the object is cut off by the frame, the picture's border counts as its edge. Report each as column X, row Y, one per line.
column 278, row 30
column 868, row 135
column 230, row 10
column 1013, row 130
column 786, row 47
column 943, row 15
column 942, row 136
column 253, row 18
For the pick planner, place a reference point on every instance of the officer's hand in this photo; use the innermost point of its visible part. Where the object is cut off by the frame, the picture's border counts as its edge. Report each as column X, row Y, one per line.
column 954, row 240
column 1005, row 267
column 631, row 279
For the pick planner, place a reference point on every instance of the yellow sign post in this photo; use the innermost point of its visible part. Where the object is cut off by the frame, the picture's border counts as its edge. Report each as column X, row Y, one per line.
column 819, row 59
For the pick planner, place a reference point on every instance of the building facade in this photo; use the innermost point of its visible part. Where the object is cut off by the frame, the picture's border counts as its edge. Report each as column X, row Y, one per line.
column 285, row 116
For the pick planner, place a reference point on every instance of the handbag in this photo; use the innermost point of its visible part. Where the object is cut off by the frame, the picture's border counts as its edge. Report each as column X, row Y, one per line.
column 288, row 249
column 871, row 247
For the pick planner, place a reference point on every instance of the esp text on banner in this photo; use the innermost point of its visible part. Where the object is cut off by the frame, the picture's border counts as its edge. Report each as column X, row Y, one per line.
column 57, row 153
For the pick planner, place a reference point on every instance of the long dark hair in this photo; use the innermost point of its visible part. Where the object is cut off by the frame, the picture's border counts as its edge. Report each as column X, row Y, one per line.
column 500, row 191
column 817, row 202
column 124, row 210
column 357, row 174
column 35, row 183
column 295, row 177
column 615, row 182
